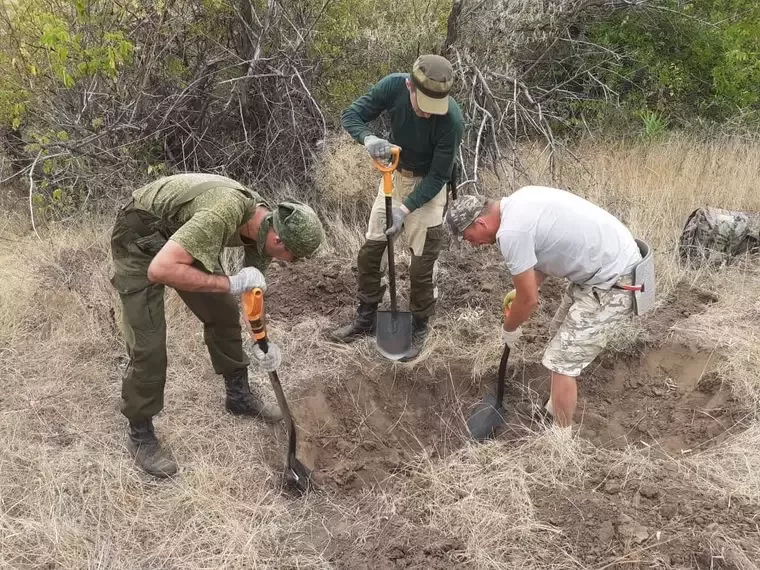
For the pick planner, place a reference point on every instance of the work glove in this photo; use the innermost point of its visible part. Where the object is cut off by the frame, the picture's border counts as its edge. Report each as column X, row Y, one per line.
column 399, row 214
column 510, row 338
column 248, row 278
column 270, row 361
column 508, row 298
column 379, row 149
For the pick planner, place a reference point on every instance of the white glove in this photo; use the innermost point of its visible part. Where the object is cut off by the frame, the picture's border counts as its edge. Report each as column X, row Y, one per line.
column 379, row 149
column 270, row 361
column 510, row 338
column 248, row 278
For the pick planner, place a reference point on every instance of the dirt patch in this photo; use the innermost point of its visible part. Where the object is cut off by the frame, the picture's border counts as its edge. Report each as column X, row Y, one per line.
column 658, row 525
column 669, row 398
column 311, row 287
column 368, row 427
column 362, row 431
column 328, row 287
column 682, row 303
column 399, row 545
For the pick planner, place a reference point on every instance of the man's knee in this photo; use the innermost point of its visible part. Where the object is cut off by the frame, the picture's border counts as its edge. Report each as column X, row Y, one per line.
column 371, row 255
column 369, row 285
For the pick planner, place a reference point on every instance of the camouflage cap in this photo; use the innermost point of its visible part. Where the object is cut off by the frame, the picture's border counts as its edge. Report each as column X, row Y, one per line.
column 299, row 227
column 463, row 212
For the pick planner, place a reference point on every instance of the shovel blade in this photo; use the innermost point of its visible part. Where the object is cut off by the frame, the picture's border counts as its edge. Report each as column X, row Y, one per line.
column 487, row 417
column 394, row 334
column 298, row 475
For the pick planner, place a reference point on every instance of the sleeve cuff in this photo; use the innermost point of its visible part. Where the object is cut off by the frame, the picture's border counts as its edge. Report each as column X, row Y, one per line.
column 409, row 205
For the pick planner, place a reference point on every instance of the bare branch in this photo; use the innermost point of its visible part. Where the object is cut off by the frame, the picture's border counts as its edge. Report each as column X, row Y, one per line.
column 31, row 192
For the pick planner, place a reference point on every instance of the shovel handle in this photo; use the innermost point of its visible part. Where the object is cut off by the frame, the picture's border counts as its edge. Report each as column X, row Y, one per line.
column 253, row 305
column 502, row 376
column 388, row 170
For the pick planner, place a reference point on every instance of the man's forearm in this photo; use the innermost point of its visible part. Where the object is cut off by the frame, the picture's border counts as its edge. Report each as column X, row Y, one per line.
column 188, row 278
column 519, row 312
column 354, row 125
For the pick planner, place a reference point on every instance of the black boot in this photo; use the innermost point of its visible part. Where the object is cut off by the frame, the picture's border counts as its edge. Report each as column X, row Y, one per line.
column 419, row 336
column 242, row 401
column 363, row 324
column 148, row 453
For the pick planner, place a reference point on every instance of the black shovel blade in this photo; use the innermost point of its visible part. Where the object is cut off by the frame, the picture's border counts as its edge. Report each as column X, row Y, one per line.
column 298, row 475
column 488, row 416
column 394, row 333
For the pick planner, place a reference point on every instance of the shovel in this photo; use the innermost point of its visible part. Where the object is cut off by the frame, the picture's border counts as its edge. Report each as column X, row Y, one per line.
column 296, row 473
column 394, row 328
column 489, row 414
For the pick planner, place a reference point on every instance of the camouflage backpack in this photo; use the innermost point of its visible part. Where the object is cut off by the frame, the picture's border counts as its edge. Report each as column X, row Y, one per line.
column 715, row 236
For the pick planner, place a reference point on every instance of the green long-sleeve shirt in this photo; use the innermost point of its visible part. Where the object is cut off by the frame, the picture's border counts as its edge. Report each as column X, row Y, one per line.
column 428, row 146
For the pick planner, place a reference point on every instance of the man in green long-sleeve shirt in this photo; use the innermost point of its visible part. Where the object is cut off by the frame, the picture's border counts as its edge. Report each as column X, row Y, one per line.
column 427, row 124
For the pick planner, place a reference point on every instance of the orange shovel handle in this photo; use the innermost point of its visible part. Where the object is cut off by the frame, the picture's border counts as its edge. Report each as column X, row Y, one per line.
column 388, row 170
column 253, row 305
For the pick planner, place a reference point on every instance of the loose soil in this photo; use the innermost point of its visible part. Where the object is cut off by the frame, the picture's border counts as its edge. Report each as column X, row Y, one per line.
column 362, row 431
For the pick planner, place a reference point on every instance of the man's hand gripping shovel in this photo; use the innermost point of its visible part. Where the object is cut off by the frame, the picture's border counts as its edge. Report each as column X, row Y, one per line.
column 296, row 473
column 394, row 328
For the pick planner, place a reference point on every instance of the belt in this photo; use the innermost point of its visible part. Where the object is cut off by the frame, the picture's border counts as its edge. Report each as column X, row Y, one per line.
column 406, row 173
column 627, row 286
column 634, row 288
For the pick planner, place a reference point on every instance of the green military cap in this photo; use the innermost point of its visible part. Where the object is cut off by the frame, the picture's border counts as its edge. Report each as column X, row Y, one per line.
column 463, row 212
column 433, row 77
column 299, row 227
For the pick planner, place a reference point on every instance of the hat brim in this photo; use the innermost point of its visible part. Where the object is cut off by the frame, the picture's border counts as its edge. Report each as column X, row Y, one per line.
column 433, row 106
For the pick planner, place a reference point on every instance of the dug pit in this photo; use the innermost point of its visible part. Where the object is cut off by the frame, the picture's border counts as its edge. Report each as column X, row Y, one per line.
column 368, row 425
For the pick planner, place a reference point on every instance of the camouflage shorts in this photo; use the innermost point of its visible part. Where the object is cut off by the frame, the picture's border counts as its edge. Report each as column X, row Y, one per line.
column 583, row 324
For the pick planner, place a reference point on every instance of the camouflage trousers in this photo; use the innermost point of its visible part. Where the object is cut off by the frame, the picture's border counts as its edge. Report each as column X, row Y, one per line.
column 583, row 323
column 135, row 240
column 423, row 292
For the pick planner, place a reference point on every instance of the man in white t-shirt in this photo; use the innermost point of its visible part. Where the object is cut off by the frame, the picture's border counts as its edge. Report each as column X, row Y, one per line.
column 549, row 232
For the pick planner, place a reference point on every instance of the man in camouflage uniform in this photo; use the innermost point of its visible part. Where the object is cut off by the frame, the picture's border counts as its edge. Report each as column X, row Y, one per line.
column 548, row 232
column 427, row 124
column 172, row 232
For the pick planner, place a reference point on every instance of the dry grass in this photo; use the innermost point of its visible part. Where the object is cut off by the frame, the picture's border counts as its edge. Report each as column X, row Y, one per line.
column 70, row 497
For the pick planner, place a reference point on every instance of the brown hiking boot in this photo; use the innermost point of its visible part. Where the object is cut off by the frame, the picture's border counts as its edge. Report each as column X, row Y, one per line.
column 362, row 325
column 147, row 451
column 243, row 401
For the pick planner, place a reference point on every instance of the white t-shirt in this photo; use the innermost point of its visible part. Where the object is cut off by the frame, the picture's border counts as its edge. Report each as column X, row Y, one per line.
column 563, row 235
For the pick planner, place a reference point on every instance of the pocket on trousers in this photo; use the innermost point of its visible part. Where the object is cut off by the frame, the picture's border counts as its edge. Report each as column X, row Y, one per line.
column 151, row 244
column 137, row 311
